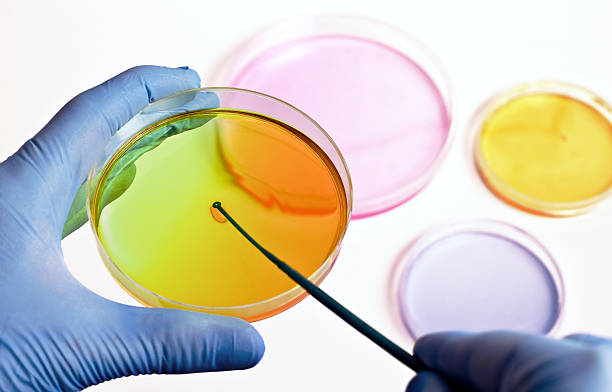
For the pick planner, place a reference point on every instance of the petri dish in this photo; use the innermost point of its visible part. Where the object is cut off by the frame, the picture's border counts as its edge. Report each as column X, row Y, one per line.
column 274, row 169
column 381, row 94
column 546, row 147
column 478, row 276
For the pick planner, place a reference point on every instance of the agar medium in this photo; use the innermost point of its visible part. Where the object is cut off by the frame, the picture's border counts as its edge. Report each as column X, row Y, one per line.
column 546, row 147
column 380, row 94
column 478, row 276
column 166, row 247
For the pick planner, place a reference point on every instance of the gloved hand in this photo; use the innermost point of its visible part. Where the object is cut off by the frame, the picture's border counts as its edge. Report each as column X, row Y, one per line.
column 54, row 333
column 512, row 362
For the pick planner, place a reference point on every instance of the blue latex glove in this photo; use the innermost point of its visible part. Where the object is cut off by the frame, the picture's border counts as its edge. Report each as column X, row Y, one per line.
column 54, row 333
column 513, row 362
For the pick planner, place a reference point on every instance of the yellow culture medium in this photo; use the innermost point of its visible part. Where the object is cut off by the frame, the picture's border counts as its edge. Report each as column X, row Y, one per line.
column 546, row 152
column 158, row 228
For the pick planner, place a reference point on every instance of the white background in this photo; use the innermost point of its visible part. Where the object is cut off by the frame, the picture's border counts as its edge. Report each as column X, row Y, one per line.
column 52, row 50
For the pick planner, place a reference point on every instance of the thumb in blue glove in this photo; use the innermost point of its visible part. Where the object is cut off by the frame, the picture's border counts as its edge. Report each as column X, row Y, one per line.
column 508, row 361
column 54, row 333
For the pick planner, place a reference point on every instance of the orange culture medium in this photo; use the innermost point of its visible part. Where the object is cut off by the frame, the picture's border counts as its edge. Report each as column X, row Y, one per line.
column 162, row 234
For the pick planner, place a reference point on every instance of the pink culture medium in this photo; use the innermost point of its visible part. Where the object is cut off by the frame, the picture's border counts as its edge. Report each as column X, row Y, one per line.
column 388, row 117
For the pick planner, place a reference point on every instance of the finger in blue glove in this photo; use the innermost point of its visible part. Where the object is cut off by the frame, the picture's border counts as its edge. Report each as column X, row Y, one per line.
column 124, row 170
column 509, row 361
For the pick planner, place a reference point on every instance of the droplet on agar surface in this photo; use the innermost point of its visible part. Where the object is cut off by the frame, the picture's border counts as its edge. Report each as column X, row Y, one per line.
column 217, row 215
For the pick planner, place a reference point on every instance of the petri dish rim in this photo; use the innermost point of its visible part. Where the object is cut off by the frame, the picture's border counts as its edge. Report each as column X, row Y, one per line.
column 505, row 191
column 230, row 67
column 295, row 294
column 500, row 229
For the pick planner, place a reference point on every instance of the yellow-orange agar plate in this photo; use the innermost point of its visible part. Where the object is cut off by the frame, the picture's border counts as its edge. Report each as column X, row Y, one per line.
column 150, row 206
column 547, row 148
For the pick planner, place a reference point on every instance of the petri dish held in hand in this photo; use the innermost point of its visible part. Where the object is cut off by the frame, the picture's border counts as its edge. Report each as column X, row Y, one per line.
column 381, row 95
column 478, row 276
column 150, row 200
column 546, row 147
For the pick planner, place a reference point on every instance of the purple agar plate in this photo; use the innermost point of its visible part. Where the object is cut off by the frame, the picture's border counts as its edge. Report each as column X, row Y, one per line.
column 478, row 276
column 380, row 94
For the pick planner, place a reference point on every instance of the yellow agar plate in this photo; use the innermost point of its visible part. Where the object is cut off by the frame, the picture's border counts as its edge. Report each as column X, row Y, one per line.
column 547, row 150
column 150, row 203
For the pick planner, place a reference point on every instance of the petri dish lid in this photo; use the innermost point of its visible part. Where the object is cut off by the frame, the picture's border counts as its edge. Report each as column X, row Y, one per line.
column 382, row 96
column 478, row 276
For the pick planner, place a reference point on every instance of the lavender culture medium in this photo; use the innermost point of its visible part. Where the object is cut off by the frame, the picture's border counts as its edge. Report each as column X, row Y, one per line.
column 479, row 276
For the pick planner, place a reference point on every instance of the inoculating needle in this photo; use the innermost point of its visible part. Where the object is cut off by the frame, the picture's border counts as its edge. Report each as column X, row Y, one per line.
column 382, row 341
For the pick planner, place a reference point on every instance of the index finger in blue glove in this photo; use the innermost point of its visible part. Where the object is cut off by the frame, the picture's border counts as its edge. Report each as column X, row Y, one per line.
column 508, row 361
column 53, row 164
column 124, row 170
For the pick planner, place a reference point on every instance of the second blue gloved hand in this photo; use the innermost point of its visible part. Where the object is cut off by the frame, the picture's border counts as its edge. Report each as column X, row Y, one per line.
column 512, row 362
column 56, row 335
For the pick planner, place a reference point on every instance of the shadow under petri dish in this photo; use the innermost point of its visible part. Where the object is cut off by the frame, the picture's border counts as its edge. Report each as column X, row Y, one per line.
column 477, row 281
column 161, row 234
column 386, row 114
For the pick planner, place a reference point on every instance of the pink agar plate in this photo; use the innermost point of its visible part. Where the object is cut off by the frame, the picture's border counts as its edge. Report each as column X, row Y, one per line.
column 381, row 95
